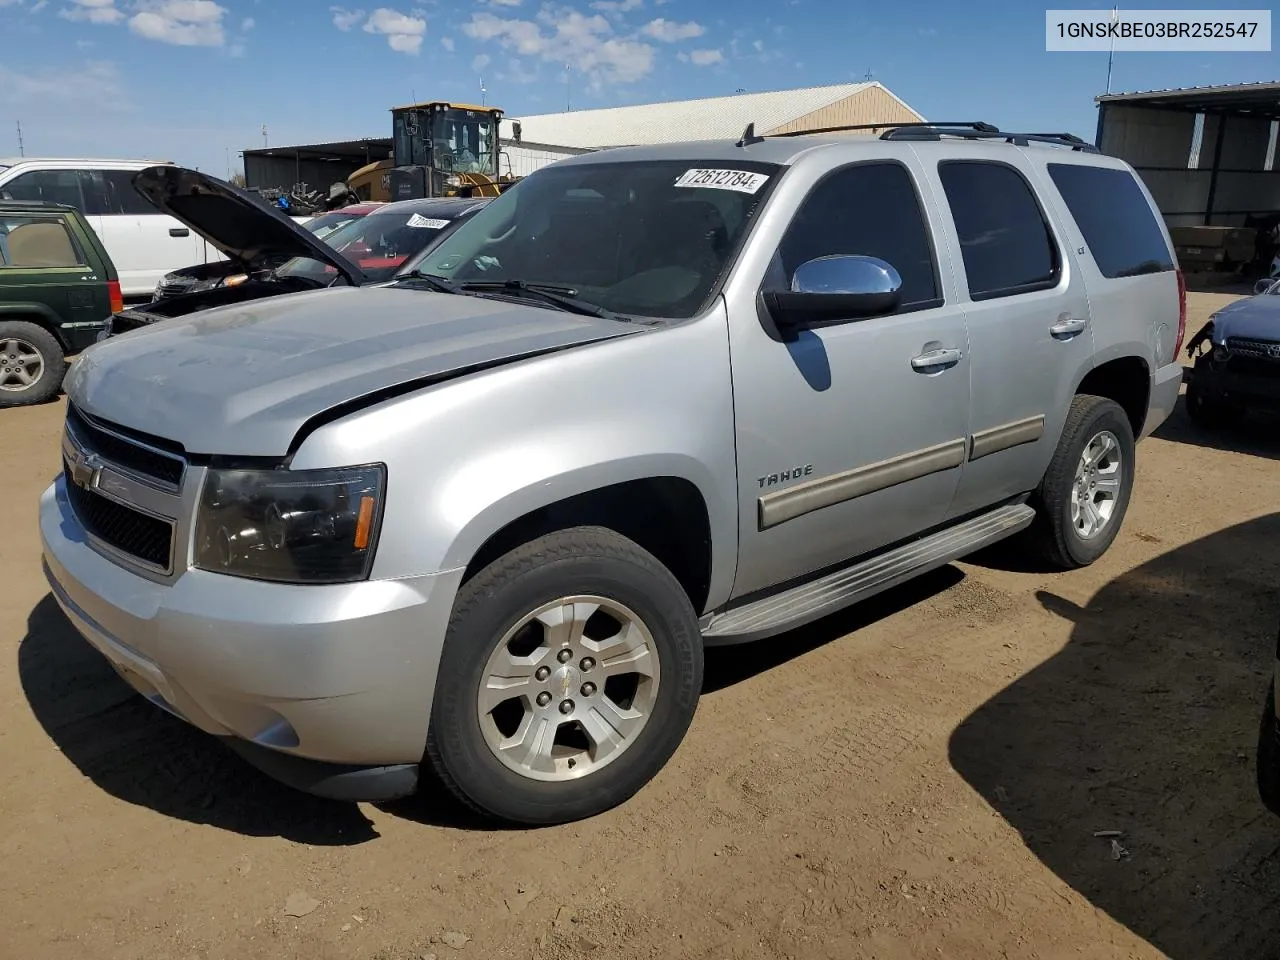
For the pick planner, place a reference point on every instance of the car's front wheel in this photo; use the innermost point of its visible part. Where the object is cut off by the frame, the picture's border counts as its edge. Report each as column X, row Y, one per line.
column 32, row 364
column 569, row 675
column 1203, row 409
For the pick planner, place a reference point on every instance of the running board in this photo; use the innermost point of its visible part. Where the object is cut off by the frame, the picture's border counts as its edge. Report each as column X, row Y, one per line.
column 817, row 598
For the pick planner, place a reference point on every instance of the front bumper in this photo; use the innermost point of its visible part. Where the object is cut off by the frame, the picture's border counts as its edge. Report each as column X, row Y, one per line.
column 1164, row 397
column 340, row 674
column 1239, row 389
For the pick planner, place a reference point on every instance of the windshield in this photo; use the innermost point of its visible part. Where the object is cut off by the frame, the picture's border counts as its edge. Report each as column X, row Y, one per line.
column 378, row 243
column 327, row 223
column 641, row 238
column 463, row 141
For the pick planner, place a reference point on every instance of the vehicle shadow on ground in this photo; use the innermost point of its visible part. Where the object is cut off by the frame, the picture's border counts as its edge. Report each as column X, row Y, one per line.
column 140, row 754
column 1257, row 434
column 1146, row 723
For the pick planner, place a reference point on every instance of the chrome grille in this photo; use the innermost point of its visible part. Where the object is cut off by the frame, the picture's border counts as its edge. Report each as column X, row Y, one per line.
column 148, row 539
column 137, row 457
column 125, row 492
column 1256, row 349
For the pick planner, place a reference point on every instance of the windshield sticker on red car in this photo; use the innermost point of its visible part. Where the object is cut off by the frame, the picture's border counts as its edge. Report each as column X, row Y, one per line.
column 418, row 220
column 743, row 181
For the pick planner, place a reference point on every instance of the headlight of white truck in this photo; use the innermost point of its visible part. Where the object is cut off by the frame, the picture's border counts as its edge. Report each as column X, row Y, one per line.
column 290, row 526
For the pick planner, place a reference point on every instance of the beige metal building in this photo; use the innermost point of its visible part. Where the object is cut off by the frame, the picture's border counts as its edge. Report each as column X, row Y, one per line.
column 548, row 137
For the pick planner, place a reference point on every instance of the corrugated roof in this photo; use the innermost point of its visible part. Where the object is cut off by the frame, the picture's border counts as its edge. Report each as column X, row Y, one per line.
column 680, row 120
column 1262, row 88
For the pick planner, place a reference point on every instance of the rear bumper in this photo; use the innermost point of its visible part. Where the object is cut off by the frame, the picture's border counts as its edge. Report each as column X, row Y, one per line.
column 1165, row 386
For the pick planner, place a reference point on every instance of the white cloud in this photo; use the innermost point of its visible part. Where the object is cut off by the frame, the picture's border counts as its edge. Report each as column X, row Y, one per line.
column 668, row 31
column 183, row 23
column 447, row 43
column 40, row 5
column 9, row 3
column 619, row 6
column 83, row 44
column 92, row 11
column 404, row 33
column 247, row 24
column 480, row 61
column 346, row 19
column 705, row 58
column 758, row 44
column 505, row 3
column 59, row 85
column 562, row 35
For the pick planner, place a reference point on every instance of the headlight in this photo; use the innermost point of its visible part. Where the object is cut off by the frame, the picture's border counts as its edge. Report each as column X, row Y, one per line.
column 303, row 526
column 453, row 181
column 236, row 280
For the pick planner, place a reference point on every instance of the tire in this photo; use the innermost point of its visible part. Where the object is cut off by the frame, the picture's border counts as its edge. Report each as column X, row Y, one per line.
column 1058, row 533
column 1269, row 754
column 1202, row 409
column 29, row 353
column 558, row 786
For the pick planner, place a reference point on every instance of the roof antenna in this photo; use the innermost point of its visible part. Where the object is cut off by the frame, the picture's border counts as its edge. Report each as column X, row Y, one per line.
column 749, row 136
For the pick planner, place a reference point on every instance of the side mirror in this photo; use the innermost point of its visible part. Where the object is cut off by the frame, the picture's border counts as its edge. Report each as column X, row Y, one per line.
column 515, row 130
column 835, row 288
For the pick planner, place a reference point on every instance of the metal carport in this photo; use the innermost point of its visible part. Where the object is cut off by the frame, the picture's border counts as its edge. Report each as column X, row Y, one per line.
column 317, row 164
column 1207, row 154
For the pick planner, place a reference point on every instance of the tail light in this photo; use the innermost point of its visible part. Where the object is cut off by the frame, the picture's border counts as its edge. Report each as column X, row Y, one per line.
column 116, row 297
column 1182, row 315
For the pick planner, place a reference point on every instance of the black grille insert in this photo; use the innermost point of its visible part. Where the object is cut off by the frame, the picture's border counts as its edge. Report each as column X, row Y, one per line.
column 138, row 459
column 131, row 532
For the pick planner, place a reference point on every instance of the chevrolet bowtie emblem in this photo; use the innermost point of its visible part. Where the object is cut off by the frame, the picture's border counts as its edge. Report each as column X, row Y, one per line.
column 84, row 469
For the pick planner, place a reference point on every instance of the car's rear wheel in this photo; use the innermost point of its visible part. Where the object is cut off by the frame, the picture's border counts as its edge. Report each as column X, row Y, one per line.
column 1082, row 500
column 569, row 675
column 31, row 364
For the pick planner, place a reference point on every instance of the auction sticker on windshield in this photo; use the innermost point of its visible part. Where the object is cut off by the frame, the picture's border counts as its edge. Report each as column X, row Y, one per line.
column 418, row 220
column 743, row 181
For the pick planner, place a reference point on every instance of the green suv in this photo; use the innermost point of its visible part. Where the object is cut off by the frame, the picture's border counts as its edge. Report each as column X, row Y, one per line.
column 57, row 288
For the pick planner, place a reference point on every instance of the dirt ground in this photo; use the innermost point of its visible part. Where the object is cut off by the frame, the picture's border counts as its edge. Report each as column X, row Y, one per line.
column 923, row 776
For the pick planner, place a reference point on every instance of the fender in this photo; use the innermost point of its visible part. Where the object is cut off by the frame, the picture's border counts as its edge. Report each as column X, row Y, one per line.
column 467, row 457
column 38, row 313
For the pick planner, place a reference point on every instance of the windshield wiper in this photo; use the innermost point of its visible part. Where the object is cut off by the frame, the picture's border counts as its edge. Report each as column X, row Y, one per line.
column 559, row 295
column 439, row 284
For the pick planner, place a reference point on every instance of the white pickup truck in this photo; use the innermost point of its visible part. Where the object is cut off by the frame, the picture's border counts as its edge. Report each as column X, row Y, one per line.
column 144, row 243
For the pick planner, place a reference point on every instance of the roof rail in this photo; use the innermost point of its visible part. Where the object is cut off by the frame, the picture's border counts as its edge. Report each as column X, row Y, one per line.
column 976, row 125
column 928, row 132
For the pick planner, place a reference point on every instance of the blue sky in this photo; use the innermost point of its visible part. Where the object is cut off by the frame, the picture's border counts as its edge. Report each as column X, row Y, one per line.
column 194, row 81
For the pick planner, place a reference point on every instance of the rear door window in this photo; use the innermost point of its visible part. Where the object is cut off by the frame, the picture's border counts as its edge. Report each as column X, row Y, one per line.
column 35, row 242
column 1005, row 240
column 111, row 193
column 1115, row 218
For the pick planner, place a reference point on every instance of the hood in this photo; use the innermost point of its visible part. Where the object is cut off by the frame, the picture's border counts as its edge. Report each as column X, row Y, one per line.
column 244, row 227
column 242, row 380
column 1256, row 318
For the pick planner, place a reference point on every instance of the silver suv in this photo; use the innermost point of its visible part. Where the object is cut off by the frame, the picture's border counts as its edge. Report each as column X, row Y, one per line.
column 487, row 516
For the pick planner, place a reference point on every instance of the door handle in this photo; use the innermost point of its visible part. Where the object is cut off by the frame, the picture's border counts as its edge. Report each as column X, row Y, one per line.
column 179, row 232
column 934, row 359
column 1068, row 326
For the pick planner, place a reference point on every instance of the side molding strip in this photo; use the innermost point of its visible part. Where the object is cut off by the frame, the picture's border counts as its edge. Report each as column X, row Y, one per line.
column 1007, row 435
column 784, row 505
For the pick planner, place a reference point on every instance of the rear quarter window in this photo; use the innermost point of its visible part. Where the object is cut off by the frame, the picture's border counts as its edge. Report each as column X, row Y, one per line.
column 1115, row 219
